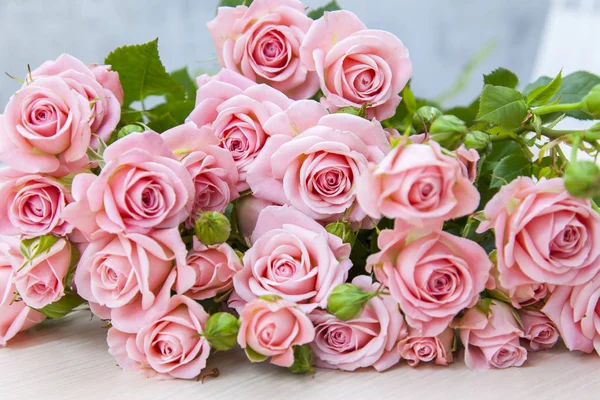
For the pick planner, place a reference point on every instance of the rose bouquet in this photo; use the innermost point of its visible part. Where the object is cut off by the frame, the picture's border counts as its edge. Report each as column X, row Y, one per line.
column 301, row 204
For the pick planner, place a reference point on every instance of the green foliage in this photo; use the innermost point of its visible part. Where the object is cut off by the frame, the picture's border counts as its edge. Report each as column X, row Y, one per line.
column 510, row 168
column 34, row 247
column 253, row 356
column 501, row 77
column 502, row 106
column 183, row 77
column 303, row 360
column 542, row 94
column 234, row 3
column 62, row 307
column 221, row 331
column 348, row 301
column 319, row 12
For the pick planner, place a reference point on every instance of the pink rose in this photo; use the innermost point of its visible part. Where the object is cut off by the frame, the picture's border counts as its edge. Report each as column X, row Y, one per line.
column 543, row 234
column 118, row 270
column 317, row 170
column 96, row 84
column 491, row 341
column 271, row 328
column 539, row 330
column 208, row 271
column 41, row 281
column 236, row 109
column 15, row 315
column 212, row 168
column 416, row 348
column 356, row 65
column 576, row 313
column 46, row 128
column 262, row 42
column 170, row 346
column 418, row 184
column 432, row 274
column 247, row 210
column 367, row 341
column 32, row 205
column 468, row 162
column 293, row 257
column 141, row 187
column 523, row 295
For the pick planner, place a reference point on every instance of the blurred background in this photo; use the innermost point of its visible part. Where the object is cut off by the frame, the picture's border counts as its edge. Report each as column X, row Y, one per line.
column 530, row 37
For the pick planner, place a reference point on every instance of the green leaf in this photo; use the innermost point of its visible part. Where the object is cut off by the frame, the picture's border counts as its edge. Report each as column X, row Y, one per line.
column 62, row 307
column 510, row 168
column 488, row 162
column 303, row 360
column 541, row 81
column 31, row 248
column 142, row 73
column 235, row 3
column 183, row 77
column 163, row 123
column 502, row 106
column 484, row 305
column 501, row 77
column 253, row 356
column 319, row 12
column 498, row 295
column 467, row 114
column 409, row 100
column 574, row 88
column 542, row 94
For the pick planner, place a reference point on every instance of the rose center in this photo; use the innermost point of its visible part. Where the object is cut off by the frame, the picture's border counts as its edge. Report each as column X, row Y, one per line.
column 266, row 334
column 440, row 285
column 425, row 193
column 340, row 338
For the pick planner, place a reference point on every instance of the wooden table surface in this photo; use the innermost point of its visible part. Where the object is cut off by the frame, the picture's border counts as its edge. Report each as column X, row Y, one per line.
column 68, row 359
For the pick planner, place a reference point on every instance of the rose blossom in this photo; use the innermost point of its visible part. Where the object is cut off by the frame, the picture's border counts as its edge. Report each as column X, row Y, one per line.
column 419, row 184
column 15, row 316
column 491, row 341
column 170, row 346
column 96, row 84
column 45, row 128
column 236, row 109
column 543, row 234
column 293, row 257
column 539, row 330
column 212, row 168
column 468, row 159
column 523, row 295
column 316, row 171
column 271, row 327
column 416, row 348
column 576, row 313
column 208, row 271
column 432, row 274
column 366, row 341
column 142, row 186
column 41, row 281
column 32, row 205
column 263, row 41
column 356, row 65
column 248, row 209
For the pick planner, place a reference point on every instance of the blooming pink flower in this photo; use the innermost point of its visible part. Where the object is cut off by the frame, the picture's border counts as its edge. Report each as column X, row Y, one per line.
column 15, row 316
column 491, row 341
column 468, row 162
column 208, row 271
column 236, row 109
column 543, row 234
column 262, row 42
column 293, row 257
column 31, row 204
column 317, row 170
column 272, row 327
column 356, row 65
column 576, row 313
column 416, row 348
column 432, row 274
column 212, row 168
column 418, row 184
column 539, row 329
column 523, row 295
column 170, row 346
column 367, row 341
column 141, row 187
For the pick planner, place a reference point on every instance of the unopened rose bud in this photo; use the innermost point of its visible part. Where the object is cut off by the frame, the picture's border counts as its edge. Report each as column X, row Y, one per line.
column 212, row 228
column 342, row 230
column 221, row 331
column 479, row 141
column 582, row 179
column 424, row 117
column 348, row 301
column 303, row 360
column 591, row 102
column 449, row 131
column 127, row 129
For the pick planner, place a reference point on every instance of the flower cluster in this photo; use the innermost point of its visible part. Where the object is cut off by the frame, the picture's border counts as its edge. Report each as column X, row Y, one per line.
column 278, row 207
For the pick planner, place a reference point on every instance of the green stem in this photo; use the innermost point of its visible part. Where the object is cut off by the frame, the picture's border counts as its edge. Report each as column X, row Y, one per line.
column 575, row 147
column 556, row 108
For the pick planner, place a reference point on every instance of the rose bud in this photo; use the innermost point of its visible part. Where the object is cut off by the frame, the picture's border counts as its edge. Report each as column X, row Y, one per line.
column 478, row 140
column 539, row 329
column 127, row 129
column 303, row 360
column 424, row 117
column 591, row 102
column 449, row 131
column 582, row 179
column 416, row 348
column 468, row 159
column 212, row 228
column 348, row 301
column 221, row 331
column 343, row 230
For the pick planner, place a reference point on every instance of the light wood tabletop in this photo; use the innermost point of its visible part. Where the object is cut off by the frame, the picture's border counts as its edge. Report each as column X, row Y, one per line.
column 68, row 359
